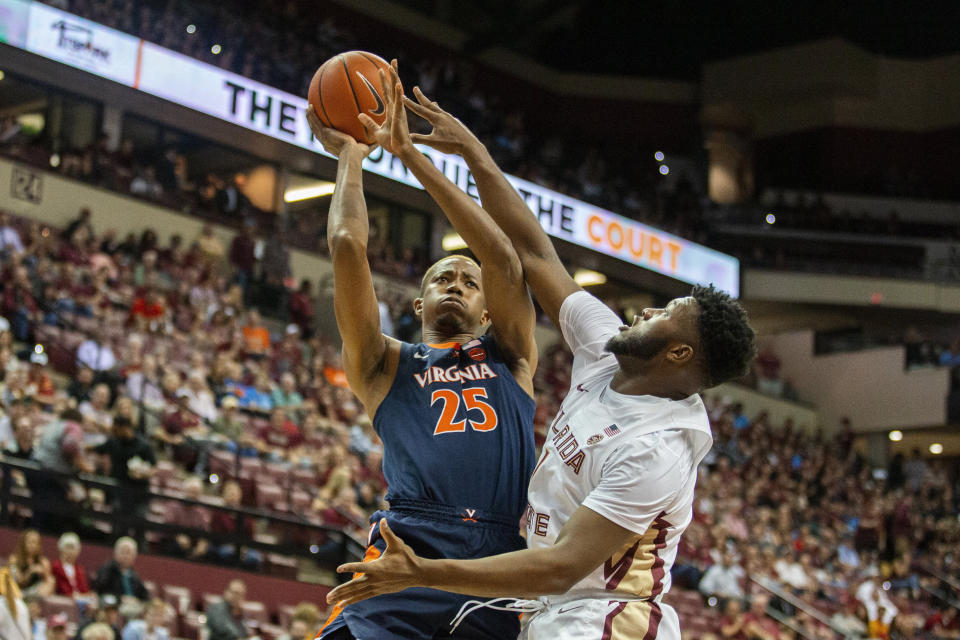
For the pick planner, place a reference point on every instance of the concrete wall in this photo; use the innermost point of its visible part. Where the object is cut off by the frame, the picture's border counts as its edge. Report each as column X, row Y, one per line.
column 806, row 418
column 794, row 287
column 871, row 387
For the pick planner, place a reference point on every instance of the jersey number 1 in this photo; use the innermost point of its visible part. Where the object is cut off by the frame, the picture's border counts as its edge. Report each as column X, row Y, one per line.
column 473, row 399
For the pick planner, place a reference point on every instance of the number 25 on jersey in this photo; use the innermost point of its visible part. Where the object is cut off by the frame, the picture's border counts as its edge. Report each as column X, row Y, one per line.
column 473, row 399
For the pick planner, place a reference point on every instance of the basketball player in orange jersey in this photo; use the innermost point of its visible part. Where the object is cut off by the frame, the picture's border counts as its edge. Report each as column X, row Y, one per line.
column 455, row 412
column 613, row 489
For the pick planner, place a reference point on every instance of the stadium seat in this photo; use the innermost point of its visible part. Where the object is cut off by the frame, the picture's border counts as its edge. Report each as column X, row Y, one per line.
column 255, row 611
column 282, row 566
column 270, row 496
column 179, row 598
column 53, row 605
column 271, row 632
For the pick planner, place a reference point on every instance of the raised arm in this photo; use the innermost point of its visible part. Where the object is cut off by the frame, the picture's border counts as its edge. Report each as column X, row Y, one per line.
column 546, row 275
column 505, row 292
column 365, row 348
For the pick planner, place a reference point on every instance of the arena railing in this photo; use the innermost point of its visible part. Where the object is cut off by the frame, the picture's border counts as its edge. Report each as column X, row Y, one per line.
column 325, row 545
column 798, row 604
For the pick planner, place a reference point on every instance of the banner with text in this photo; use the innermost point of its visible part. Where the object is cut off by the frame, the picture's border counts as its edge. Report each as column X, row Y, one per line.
column 205, row 88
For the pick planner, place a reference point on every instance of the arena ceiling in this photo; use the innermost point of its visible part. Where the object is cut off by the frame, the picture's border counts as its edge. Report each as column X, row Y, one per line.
column 673, row 38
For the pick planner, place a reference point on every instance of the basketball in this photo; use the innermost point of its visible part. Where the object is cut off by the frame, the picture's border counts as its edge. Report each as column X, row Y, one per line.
column 345, row 86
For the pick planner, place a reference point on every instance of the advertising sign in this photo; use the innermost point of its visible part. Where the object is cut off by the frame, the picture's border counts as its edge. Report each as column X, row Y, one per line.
column 227, row 96
column 83, row 44
column 14, row 18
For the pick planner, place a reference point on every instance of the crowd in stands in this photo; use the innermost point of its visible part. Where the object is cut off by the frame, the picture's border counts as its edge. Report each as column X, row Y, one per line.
column 779, row 508
column 57, row 600
column 152, row 359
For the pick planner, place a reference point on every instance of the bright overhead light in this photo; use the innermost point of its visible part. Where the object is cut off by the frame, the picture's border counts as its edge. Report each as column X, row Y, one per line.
column 664, row 169
column 453, row 242
column 587, row 278
column 305, row 193
column 896, row 435
column 936, row 448
column 771, row 219
column 216, row 49
column 658, row 156
column 2, row 75
column 191, row 28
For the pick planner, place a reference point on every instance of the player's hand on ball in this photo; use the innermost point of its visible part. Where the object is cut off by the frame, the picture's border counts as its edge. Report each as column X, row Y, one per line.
column 397, row 569
column 332, row 140
column 449, row 135
column 394, row 134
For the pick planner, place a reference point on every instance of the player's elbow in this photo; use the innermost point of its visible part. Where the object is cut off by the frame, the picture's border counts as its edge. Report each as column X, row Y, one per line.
column 346, row 241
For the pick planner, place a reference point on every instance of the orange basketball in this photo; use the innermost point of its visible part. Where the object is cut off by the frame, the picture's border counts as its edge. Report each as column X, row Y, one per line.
column 345, row 86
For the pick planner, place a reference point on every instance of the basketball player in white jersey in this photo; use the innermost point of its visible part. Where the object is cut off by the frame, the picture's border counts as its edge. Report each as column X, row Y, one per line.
column 613, row 489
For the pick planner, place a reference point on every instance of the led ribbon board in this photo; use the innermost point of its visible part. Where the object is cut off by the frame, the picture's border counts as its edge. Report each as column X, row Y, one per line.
column 144, row 66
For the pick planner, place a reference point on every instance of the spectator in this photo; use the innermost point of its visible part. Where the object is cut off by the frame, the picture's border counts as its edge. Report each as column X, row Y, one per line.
column 183, row 431
column 286, row 395
column 95, row 354
column 223, row 522
column 30, row 570
column 82, row 221
column 279, row 436
column 242, row 256
column 723, row 579
column 70, row 577
column 10, row 242
column 303, row 622
column 230, row 428
column 733, row 622
column 144, row 385
column 23, row 440
column 14, row 616
column 211, row 248
column 225, row 617
column 850, row 619
column 256, row 337
column 201, row 400
column 97, row 409
column 880, row 609
column 151, row 627
column 300, row 308
column 98, row 631
column 56, row 628
column 757, row 625
column 81, row 387
column 132, row 463
column 117, row 577
column 189, row 516
column 149, row 312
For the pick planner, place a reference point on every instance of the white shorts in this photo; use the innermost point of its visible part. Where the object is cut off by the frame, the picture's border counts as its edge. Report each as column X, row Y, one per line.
column 595, row 619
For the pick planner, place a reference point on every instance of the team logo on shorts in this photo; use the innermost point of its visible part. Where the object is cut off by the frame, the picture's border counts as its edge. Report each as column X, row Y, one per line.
column 594, row 439
column 477, row 354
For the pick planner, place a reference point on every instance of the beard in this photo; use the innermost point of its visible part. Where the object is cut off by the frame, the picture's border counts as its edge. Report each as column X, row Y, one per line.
column 631, row 344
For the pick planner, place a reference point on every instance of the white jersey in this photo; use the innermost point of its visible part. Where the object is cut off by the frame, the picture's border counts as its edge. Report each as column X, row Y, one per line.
column 631, row 459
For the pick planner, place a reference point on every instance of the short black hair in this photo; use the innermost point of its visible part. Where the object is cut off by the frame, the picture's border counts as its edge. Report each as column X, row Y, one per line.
column 423, row 280
column 726, row 337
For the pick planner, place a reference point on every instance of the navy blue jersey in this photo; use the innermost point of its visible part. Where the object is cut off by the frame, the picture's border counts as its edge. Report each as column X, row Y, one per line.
column 457, row 429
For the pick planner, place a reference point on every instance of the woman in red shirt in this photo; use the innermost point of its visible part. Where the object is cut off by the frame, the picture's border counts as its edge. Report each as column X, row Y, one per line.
column 70, row 577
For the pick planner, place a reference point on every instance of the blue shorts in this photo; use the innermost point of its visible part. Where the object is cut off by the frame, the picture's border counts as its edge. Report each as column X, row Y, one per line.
column 432, row 531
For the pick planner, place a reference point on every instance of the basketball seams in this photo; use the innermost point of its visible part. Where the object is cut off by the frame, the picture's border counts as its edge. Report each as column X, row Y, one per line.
column 329, row 122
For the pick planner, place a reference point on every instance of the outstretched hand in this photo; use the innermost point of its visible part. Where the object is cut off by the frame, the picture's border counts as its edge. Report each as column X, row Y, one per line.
column 397, row 569
column 449, row 135
column 394, row 134
column 335, row 142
